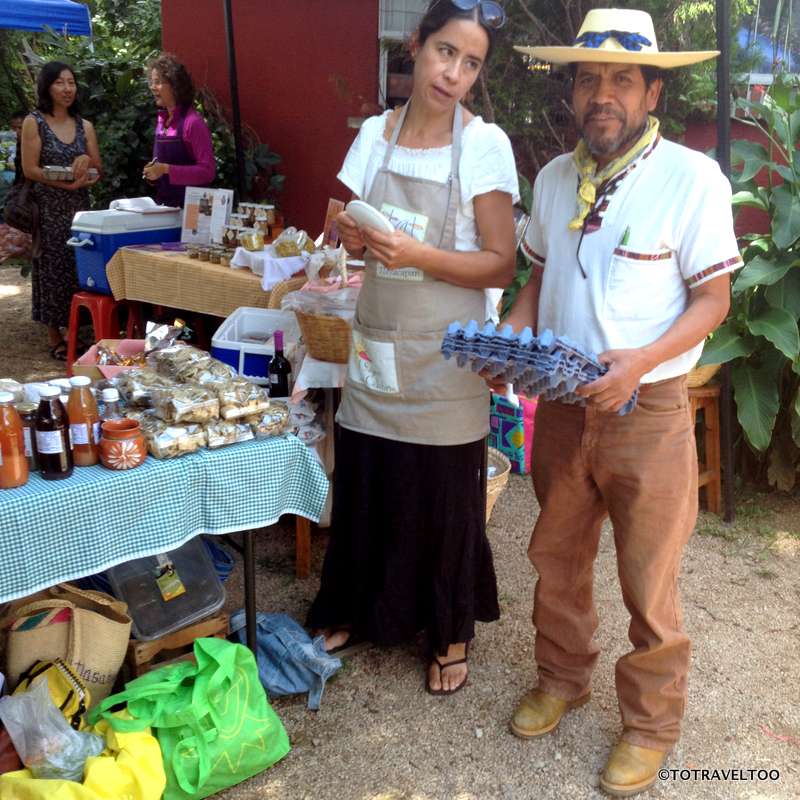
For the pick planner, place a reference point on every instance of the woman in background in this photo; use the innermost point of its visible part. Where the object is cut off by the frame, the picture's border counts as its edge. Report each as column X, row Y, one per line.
column 56, row 135
column 182, row 153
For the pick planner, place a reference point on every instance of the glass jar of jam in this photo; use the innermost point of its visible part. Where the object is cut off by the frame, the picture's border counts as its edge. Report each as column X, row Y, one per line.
column 52, row 436
column 27, row 413
column 13, row 464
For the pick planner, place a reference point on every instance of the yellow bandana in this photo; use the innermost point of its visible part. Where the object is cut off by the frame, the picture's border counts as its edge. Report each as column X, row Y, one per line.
column 591, row 179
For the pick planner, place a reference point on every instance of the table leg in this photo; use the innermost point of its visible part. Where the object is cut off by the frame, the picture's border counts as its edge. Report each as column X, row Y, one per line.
column 250, row 589
column 302, row 535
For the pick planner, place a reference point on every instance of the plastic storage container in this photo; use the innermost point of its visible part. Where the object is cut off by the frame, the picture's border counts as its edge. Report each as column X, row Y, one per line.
column 137, row 583
column 244, row 340
column 97, row 235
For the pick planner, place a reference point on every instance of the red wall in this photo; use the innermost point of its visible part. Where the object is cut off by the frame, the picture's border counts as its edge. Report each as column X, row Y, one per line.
column 290, row 56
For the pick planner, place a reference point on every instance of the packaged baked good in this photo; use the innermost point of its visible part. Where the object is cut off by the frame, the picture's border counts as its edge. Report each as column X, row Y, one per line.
column 239, row 397
column 137, row 385
column 271, row 422
column 187, row 402
column 221, row 432
column 108, row 356
column 181, row 362
column 165, row 440
column 292, row 242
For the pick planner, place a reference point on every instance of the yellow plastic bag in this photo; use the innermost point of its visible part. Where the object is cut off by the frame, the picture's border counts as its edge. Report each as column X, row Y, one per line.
column 130, row 768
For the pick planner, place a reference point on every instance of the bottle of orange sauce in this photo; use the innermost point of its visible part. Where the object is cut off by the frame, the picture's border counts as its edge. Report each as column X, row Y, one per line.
column 13, row 462
column 84, row 422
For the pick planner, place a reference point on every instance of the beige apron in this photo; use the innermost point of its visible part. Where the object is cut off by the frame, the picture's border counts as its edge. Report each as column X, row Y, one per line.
column 399, row 385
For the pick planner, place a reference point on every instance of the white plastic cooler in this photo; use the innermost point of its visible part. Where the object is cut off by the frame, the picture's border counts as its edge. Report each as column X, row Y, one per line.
column 97, row 235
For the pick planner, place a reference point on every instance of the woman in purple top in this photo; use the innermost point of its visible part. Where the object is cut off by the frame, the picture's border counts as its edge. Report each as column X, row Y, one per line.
column 182, row 154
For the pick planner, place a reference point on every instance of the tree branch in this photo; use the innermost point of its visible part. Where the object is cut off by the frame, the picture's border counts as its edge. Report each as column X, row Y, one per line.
column 542, row 28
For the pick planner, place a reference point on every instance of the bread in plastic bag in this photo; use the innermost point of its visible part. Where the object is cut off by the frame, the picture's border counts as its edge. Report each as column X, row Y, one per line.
column 272, row 422
column 220, row 433
column 188, row 402
column 165, row 440
column 44, row 740
column 136, row 386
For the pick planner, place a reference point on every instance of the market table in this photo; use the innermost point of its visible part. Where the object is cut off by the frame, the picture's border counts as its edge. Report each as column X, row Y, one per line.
column 166, row 276
column 55, row 531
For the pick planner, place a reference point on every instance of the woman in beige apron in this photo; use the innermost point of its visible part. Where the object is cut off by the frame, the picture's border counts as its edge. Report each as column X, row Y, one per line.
column 408, row 548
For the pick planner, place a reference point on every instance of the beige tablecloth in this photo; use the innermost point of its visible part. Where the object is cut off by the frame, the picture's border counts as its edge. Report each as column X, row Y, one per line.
column 172, row 279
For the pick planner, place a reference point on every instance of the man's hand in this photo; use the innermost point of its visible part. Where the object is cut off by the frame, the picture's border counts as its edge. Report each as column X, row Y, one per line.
column 614, row 389
column 394, row 250
column 495, row 384
column 349, row 234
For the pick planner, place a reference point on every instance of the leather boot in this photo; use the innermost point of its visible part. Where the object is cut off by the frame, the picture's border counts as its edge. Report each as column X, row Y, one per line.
column 631, row 769
column 538, row 713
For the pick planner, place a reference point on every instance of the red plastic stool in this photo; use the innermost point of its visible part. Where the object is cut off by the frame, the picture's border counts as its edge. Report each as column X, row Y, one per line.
column 105, row 320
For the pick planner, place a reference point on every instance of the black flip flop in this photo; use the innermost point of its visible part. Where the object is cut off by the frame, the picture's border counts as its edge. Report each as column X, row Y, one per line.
column 59, row 351
column 435, row 660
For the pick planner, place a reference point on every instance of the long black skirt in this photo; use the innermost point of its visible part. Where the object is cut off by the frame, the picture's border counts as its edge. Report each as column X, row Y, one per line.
column 408, row 550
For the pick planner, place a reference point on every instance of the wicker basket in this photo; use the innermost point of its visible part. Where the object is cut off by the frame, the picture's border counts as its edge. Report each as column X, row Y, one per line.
column 279, row 290
column 496, row 484
column 700, row 376
column 327, row 338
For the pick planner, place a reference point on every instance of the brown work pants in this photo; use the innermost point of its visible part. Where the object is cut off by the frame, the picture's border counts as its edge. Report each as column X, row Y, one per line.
column 641, row 471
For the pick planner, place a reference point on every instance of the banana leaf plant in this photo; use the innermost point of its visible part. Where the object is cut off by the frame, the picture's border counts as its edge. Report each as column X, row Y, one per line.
column 760, row 337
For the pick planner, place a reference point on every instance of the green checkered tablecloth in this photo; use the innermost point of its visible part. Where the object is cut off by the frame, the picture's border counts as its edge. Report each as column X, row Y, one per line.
column 53, row 531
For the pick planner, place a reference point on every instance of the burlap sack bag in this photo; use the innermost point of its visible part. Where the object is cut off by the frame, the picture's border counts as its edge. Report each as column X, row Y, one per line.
column 89, row 630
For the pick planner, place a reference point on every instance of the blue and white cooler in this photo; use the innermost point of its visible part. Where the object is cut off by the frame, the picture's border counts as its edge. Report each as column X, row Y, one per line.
column 97, row 235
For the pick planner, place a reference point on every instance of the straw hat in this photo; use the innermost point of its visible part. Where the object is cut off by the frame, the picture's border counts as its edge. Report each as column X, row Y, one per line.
column 618, row 36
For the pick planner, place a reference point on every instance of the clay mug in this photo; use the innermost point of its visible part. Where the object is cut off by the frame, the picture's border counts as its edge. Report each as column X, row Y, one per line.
column 122, row 444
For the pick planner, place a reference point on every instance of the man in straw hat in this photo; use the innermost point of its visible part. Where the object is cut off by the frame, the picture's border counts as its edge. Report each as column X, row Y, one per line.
column 632, row 245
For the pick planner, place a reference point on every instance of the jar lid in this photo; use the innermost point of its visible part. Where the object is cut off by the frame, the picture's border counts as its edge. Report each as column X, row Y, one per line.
column 80, row 380
column 25, row 408
column 49, row 391
column 110, row 395
column 62, row 383
column 6, row 397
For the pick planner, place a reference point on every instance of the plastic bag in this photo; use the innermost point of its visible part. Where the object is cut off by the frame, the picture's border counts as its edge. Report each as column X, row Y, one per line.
column 341, row 303
column 137, row 385
column 47, row 745
column 189, row 402
column 169, row 441
column 292, row 242
column 221, row 433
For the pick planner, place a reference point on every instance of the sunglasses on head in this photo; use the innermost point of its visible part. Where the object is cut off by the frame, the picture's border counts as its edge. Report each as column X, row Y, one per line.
column 492, row 14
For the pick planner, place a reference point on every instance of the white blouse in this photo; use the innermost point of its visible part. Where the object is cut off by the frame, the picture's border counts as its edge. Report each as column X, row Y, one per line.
column 487, row 164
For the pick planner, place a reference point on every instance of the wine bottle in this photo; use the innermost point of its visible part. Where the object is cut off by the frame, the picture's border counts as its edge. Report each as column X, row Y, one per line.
column 279, row 370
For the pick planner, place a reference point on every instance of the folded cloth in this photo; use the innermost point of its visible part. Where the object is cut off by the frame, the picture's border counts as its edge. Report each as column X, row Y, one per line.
column 289, row 662
column 264, row 263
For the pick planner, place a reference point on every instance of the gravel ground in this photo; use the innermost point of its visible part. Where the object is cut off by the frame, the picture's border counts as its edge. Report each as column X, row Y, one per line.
column 379, row 735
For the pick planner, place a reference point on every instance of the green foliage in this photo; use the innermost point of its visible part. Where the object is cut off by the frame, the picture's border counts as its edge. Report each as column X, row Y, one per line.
column 761, row 336
column 523, row 266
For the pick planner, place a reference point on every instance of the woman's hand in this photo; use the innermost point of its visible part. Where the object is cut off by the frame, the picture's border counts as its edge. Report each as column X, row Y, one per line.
column 81, row 183
column 394, row 250
column 80, row 165
column 350, row 234
column 152, row 172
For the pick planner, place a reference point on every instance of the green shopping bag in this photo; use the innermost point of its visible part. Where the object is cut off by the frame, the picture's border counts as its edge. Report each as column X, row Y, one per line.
column 212, row 719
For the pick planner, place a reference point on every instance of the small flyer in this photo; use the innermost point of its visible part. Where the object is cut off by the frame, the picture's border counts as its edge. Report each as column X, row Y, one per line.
column 330, row 235
column 206, row 212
